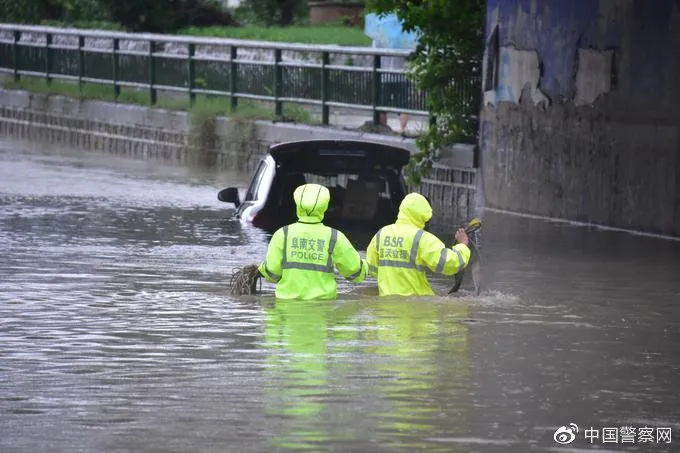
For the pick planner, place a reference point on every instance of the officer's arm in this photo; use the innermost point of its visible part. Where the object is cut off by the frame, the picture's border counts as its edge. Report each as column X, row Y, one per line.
column 348, row 261
column 272, row 265
column 441, row 259
column 372, row 257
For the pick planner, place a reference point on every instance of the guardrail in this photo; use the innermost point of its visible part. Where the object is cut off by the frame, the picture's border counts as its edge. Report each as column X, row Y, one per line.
column 324, row 76
column 451, row 190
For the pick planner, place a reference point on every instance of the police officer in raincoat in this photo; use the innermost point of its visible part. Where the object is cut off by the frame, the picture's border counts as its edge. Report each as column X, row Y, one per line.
column 399, row 254
column 301, row 257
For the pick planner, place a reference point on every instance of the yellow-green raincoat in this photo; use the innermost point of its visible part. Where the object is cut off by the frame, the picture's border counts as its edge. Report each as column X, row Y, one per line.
column 400, row 254
column 301, row 257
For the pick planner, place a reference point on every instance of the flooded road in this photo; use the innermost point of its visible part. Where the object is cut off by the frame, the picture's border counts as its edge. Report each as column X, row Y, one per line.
column 117, row 333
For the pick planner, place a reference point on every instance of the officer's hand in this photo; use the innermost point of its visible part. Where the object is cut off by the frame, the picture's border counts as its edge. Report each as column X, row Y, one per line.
column 462, row 237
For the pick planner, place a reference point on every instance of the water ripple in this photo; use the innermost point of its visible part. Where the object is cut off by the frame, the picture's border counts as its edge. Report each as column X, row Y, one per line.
column 118, row 334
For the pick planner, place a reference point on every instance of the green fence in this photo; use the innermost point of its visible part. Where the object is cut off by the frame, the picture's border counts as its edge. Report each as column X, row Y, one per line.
column 326, row 76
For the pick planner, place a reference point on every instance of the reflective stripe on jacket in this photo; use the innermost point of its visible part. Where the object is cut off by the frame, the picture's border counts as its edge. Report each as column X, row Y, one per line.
column 400, row 254
column 301, row 257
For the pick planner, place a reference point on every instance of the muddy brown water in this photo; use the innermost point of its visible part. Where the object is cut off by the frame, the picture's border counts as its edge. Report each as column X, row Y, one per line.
column 117, row 333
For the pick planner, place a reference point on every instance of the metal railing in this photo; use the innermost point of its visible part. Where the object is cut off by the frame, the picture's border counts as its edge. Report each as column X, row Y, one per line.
column 452, row 190
column 324, row 76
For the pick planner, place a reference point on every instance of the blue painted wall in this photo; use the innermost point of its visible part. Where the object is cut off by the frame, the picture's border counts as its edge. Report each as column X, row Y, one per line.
column 615, row 161
column 557, row 28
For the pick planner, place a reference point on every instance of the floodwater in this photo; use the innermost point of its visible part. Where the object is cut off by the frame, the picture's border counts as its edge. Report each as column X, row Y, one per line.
column 117, row 333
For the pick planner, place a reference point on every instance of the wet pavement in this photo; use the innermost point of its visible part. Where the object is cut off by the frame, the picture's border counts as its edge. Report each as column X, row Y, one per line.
column 117, row 332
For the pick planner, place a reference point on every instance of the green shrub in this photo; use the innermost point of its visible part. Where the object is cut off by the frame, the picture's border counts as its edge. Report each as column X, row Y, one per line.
column 37, row 11
column 160, row 16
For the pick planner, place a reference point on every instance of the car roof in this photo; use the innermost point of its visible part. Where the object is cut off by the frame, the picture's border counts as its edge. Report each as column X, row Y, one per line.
column 339, row 155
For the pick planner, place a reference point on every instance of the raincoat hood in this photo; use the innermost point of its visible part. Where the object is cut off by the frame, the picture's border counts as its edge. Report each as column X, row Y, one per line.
column 311, row 201
column 414, row 210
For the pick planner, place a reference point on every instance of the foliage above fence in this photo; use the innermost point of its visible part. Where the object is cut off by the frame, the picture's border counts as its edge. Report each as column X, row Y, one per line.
column 447, row 66
column 135, row 15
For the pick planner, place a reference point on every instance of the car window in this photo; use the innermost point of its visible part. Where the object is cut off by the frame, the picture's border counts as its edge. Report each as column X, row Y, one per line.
column 370, row 197
column 252, row 192
column 342, row 180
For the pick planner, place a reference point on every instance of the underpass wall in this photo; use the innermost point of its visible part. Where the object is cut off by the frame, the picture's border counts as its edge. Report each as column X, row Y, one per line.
column 580, row 115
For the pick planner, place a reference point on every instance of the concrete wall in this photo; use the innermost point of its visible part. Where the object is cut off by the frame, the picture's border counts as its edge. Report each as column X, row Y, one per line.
column 580, row 116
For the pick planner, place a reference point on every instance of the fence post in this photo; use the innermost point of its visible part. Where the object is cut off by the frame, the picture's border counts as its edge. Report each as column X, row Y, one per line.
column 116, row 69
column 152, row 74
column 81, row 62
column 325, row 111
column 376, row 89
column 48, row 58
column 15, row 55
column 192, row 74
column 233, row 76
column 278, row 74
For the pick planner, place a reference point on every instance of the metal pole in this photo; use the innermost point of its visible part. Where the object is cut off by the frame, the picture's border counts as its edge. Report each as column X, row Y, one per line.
column 81, row 62
column 192, row 73
column 278, row 106
column 116, row 69
column 325, row 111
column 48, row 58
column 376, row 89
column 152, row 74
column 233, row 76
column 15, row 55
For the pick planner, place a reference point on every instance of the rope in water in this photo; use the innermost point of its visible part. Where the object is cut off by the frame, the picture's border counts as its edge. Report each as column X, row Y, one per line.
column 244, row 280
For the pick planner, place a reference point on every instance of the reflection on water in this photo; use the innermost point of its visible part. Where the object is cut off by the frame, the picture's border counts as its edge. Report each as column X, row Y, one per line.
column 117, row 333
column 385, row 356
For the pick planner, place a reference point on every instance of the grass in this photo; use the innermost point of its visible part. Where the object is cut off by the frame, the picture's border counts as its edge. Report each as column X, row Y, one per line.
column 339, row 34
column 308, row 34
column 90, row 24
column 216, row 105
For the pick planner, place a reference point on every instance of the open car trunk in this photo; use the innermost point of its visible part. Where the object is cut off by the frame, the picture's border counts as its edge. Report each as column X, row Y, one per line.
column 364, row 180
column 339, row 156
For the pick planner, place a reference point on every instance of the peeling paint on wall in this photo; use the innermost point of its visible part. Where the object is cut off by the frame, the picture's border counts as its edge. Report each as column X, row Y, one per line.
column 516, row 70
column 594, row 75
column 615, row 159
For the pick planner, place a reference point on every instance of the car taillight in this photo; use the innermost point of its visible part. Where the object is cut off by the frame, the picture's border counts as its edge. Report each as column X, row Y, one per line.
column 258, row 219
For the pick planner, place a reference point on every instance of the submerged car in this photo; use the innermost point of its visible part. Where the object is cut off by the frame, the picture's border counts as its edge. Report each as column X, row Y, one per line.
column 364, row 179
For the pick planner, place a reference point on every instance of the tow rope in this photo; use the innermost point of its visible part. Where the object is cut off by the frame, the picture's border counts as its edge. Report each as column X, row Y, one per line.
column 244, row 280
column 472, row 230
